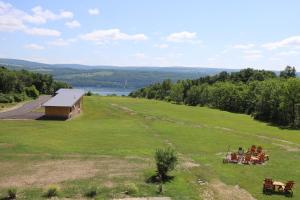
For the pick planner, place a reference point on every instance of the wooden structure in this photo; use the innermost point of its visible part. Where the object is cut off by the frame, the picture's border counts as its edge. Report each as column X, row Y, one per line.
column 252, row 156
column 271, row 187
column 65, row 104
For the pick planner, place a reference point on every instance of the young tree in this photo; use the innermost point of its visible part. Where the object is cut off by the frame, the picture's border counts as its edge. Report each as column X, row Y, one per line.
column 166, row 160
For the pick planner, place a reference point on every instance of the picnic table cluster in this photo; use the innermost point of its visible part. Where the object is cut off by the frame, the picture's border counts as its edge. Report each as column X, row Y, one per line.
column 270, row 187
column 254, row 155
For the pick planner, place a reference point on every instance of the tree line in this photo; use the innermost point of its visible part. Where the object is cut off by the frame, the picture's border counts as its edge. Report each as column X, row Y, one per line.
column 18, row 85
column 262, row 94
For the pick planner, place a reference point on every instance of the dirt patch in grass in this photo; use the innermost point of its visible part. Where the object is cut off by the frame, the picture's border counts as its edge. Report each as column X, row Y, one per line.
column 6, row 145
column 186, row 163
column 189, row 164
column 222, row 154
column 42, row 173
column 223, row 128
column 208, row 195
column 126, row 109
column 218, row 190
column 287, row 147
column 278, row 140
column 146, row 198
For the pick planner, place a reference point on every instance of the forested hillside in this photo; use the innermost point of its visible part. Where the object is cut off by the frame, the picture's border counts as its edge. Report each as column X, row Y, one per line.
column 110, row 76
column 260, row 93
column 17, row 85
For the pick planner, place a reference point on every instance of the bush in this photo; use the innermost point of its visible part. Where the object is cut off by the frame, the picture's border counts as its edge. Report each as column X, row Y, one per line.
column 19, row 97
column 52, row 191
column 92, row 192
column 166, row 160
column 12, row 193
column 32, row 92
column 89, row 93
column 6, row 98
column 131, row 188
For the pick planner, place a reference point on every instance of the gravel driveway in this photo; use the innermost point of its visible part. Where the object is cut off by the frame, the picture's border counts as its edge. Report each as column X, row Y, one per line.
column 26, row 111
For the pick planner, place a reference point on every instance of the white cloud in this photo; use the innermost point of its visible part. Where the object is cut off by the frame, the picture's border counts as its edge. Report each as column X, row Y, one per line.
column 34, row 46
column 62, row 42
column 140, row 55
column 66, row 14
column 42, row 32
column 13, row 19
column 161, row 46
column 288, row 42
column 73, row 24
column 183, row 36
column 103, row 36
column 10, row 18
column 252, row 51
column 41, row 16
column 94, row 11
column 288, row 53
column 243, row 46
column 252, row 55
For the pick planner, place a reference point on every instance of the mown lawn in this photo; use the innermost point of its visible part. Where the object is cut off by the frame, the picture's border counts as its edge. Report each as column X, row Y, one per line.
column 130, row 130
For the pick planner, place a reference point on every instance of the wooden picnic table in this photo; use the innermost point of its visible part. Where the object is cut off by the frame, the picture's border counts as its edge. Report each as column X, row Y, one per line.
column 254, row 158
column 279, row 185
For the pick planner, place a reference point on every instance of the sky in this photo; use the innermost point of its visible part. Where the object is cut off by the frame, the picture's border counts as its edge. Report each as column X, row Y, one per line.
column 192, row 33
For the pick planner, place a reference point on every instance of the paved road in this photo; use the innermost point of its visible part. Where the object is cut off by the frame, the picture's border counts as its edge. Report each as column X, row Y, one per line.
column 25, row 111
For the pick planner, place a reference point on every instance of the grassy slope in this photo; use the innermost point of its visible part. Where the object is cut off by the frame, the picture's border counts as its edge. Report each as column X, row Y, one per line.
column 197, row 133
column 4, row 106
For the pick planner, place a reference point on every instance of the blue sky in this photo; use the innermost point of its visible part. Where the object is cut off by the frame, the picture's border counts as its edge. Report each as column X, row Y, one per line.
column 193, row 33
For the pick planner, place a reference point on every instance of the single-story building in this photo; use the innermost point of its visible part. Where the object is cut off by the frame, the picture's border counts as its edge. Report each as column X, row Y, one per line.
column 65, row 104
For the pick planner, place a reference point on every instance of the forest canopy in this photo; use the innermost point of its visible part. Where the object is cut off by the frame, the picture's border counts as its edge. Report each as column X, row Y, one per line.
column 262, row 94
column 18, row 85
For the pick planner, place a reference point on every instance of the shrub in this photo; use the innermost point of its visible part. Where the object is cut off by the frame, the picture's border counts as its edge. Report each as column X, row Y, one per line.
column 92, row 192
column 131, row 188
column 19, row 97
column 166, row 160
column 89, row 93
column 52, row 191
column 32, row 92
column 6, row 98
column 12, row 193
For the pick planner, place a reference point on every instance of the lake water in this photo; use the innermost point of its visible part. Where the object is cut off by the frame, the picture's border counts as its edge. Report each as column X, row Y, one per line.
column 107, row 91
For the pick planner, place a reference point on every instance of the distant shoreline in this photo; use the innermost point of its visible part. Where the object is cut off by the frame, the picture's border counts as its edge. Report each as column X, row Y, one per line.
column 105, row 91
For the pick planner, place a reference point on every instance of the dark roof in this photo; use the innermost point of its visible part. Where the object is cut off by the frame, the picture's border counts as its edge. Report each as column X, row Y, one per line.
column 65, row 98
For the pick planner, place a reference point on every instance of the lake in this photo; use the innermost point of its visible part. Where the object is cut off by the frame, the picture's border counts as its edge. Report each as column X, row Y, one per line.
column 107, row 91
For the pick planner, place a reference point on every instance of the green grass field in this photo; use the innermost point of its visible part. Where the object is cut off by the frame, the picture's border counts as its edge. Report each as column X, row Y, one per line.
column 112, row 144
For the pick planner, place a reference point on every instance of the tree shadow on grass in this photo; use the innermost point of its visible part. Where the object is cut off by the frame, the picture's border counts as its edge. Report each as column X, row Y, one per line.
column 283, row 127
column 5, row 198
column 284, row 195
column 154, row 179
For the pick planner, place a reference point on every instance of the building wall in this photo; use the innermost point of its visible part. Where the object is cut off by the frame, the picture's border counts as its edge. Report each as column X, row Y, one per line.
column 61, row 112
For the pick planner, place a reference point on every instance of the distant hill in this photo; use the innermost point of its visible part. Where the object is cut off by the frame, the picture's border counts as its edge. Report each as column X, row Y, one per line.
column 132, row 77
